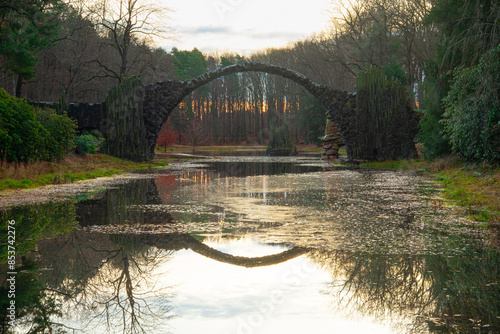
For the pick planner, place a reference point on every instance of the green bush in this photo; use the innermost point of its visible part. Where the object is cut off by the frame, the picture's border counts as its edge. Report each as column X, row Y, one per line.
column 472, row 118
column 88, row 143
column 21, row 134
column 431, row 135
column 28, row 135
column 61, row 133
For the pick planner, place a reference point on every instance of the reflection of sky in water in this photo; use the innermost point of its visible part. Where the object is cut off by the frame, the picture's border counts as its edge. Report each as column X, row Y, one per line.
column 214, row 297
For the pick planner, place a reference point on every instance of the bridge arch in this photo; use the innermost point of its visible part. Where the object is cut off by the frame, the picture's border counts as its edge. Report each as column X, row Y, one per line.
column 163, row 97
column 301, row 79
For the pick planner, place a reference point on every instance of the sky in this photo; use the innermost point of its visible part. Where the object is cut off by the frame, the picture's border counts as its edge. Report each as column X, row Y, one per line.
column 244, row 26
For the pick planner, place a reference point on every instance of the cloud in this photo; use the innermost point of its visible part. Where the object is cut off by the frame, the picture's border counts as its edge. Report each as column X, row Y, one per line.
column 211, row 38
column 278, row 35
column 206, row 30
column 227, row 31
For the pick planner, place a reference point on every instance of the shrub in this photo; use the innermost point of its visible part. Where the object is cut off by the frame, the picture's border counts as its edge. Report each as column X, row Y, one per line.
column 472, row 118
column 21, row 134
column 431, row 133
column 28, row 135
column 61, row 133
column 87, row 143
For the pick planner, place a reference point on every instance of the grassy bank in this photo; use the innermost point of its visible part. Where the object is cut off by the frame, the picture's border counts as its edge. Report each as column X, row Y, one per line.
column 475, row 188
column 71, row 169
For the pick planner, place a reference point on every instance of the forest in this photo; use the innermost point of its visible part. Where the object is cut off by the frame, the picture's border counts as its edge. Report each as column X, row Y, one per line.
column 445, row 52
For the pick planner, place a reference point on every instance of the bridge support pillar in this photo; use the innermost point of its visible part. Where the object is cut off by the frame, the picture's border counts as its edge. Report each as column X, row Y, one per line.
column 124, row 122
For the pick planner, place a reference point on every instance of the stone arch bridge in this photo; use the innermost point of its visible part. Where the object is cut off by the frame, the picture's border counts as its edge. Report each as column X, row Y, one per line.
column 132, row 116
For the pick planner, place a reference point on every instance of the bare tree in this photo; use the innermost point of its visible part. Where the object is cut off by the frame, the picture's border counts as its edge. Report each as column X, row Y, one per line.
column 127, row 23
column 390, row 34
column 195, row 133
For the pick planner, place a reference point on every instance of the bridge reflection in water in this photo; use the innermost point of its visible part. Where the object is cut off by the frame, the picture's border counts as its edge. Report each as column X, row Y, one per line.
column 176, row 242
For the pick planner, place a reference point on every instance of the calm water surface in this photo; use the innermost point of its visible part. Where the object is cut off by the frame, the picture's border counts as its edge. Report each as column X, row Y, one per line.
column 255, row 245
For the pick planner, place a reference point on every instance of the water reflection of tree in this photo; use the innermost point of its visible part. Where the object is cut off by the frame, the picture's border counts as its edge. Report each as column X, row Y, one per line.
column 467, row 291
column 35, row 306
column 377, row 285
column 34, row 222
column 439, row 293
column 107, row 278
column 256, row 168
column 122, row 205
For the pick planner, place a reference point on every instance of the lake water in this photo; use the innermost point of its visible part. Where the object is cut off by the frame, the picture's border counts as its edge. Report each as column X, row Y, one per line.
column 254, row 245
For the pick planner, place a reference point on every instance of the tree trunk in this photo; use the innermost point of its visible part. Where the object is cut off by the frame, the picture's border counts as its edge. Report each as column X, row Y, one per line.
column 19, row 85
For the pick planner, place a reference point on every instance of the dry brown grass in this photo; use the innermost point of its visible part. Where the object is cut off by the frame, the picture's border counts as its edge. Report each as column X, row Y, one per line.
column 445, row 163
column 71, row 169
column 70, row 164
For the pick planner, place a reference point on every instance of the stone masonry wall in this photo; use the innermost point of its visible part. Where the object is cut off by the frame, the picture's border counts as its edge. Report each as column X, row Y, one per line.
column 160, row 100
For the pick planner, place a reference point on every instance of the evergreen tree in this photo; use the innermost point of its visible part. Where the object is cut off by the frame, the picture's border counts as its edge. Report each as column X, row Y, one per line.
column 26, row 28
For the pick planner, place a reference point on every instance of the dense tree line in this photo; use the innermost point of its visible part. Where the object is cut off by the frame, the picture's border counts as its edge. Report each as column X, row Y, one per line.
column 444, row 51
column 459, row 117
